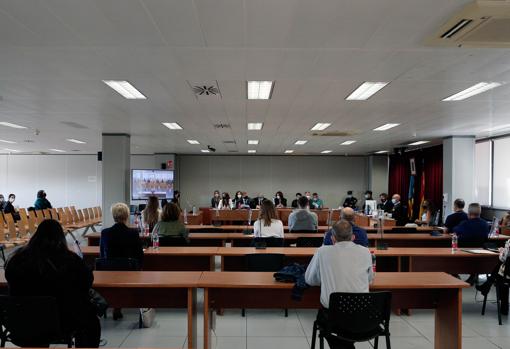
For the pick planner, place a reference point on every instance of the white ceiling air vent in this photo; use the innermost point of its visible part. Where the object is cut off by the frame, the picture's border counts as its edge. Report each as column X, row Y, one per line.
column 333, row 134
column 205, row 89
column 480, row 24
column 220, row 125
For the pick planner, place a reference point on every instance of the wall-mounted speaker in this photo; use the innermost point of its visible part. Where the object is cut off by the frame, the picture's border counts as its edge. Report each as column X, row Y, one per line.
column 163, row 165
column 99, row 156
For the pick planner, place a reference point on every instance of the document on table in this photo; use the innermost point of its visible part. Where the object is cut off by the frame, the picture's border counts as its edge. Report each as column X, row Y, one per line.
column 478, row 251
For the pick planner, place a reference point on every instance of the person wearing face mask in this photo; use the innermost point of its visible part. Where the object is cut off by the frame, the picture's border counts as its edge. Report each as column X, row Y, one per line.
column 279, row 200
column 257, row 202
column 399, row 212
column 226, row 202
column 177, row 198
column 367, row 197
column 41, row 203
column 238, row 200
column 246, row 200
column 428, row 213
column 385, row 204
column 9, row 207
column 316, row 202
column 2, row 202
column 215, row 200
column 295, row 201
column 350, row 201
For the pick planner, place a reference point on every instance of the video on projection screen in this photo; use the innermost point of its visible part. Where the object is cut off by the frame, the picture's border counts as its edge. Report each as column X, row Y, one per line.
column 145, row 183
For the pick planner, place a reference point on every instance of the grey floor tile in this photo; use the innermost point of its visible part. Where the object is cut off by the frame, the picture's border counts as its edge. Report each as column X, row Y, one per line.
column 501, row 342
column 277, row 342
column 273, row 323
column 231, row 324
column 407, row 343
column 477, row 343
column 141, row 338
column 225, row 342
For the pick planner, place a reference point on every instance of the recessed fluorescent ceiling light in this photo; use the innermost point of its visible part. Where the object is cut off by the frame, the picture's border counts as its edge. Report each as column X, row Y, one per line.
column 347, row 142
column 253, row 141
column 58, row 150
column 473, row 90
column 193, row 141
column 385, row 127
column 366, row 90
column 125, row 89
column 10, row 124
column 300, row 142
column 5, row 141
column 255, row 125
column 381, row 152
column 259, row 89
column 204, row 151
column 252, row 151
column 326, row 151
column 419, row 143
column 11, row 150
column 320, row 126
column 289, row 151
column 497, row 128
column 172, row 125
column 75, row 141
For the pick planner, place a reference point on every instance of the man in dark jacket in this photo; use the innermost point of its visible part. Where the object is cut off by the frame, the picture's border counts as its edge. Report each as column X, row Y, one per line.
column 456, row 217
column 359, row 234
column 385, row 204
column 350, row 201
column 41, row 203
column 474, row 231
column 399, row 212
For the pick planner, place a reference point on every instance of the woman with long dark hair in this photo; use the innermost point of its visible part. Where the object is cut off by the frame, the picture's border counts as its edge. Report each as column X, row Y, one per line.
column 151, row 214
column 46, row 267
column 268, row 225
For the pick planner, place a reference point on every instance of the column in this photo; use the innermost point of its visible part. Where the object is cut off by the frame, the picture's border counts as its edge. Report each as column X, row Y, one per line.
column 116, row 172
column 378, row 174
column 458, row 170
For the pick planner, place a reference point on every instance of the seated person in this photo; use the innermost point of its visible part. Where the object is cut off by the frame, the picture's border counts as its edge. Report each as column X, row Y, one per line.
column 170, row 225
column 41, row 203
column 237, row 202
column 359, row 235
column 316, row 203
column 46, row 267
column 342, row 267
column 2, row 202
column 475, row 230
column 257, row 202
column 427, row 215
column 294, row 203
column 9, row 207
column 268, row 225
column 215, row 200
column 350, row 201
column 120, row 241
column 399, row 211
column 246, row 200
column 226, row 202
column 302, row 218
column 279, row 200
column 150, row 214
column 458, row 216
column 385, row 204
column 367, row 196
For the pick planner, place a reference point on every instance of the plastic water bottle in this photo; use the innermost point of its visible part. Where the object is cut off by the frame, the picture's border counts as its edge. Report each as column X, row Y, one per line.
column 147, row 230
column 136, row 219
column 374, row 263
column 455, row 241
column 185, row 214
column 155, row 241
column 194, row 210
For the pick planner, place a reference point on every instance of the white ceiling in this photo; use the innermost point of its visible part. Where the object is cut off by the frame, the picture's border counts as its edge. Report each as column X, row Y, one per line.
column 54, row 54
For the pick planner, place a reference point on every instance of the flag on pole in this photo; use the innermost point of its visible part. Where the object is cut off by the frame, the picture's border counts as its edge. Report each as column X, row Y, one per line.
column 410, row 198
column 422, row 187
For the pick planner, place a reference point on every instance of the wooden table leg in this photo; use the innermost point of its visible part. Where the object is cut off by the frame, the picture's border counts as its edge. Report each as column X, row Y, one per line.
column 192, row 318
column 448, row 322
column 207, row 319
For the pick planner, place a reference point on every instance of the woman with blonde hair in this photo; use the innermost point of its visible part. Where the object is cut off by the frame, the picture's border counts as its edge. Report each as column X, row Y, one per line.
column 151, row 214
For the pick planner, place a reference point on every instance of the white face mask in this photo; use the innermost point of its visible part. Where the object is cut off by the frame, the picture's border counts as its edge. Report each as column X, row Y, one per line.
column 349, row 196
column 278, row 197
column 394, row 201
column 239, row 196
column 308, row 197
column 367, row 196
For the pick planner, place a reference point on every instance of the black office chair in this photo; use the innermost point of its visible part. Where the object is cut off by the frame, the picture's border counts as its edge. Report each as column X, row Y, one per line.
column 31, row 322
column 264, row 262
column 117, row 264
column 303, row 231
column 309, row 242
column 267, row 242
column 173, row 241
column 355, row 317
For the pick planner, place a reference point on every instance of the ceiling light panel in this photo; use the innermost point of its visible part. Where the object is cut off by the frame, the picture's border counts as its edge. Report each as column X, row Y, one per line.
column 10, row 124
column 289, row 151
column 204, row 151
column 366, row 90
column 193, row 141
column 57, row 150
column 251, row 151
column 11, row 150
column 385, row 127
column 481, row 87
column 259, row 89
column 326, row 151
column 320, row 126
column 381, row 152
column 6, row 141
column 253, row 141
column 300, row 142
column 419, row 143
column 255, row 126
column 77, row 141
column 347, row 142
column 172, row 125
column 125, row 89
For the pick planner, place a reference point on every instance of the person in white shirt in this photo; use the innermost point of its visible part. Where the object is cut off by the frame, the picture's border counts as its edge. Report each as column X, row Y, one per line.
column 342, row 267
column 268, row 225
column 226, row 202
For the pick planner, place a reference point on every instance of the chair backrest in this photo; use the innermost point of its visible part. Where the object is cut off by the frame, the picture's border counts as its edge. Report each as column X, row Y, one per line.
column 86, row 214
column 172, row 241
column 264, row 261
column 74, row 213
column 54, row 214
column 358, row 313
column 69, row 215
column 62, row 215
column 23, row 216
column 32, row 222
column 309, row 242
column 99, row 211
column 47, row 213
column 11, row 225
column 2, row 233
column 39, row 216
column 404, row 230
column 96, row 212
column 303, row 231
column 81, row 217
column 30, row 321
column 91, row 213
column 2, row 220
column 267, row 242
column 117, row 264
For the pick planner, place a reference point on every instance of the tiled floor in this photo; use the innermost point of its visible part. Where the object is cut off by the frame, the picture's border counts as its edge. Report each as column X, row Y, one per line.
column 270, row 329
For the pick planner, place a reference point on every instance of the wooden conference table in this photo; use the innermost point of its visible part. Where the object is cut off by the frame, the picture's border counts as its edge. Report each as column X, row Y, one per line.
column 438, row 291
column 395, row 259
column 148, row 290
